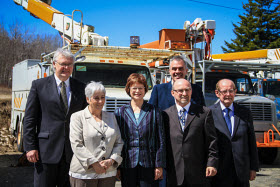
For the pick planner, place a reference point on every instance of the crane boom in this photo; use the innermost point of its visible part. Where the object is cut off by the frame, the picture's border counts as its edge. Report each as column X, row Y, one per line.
column 69, row 29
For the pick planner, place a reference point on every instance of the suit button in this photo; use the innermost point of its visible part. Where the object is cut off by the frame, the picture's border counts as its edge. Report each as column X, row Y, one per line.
column 103, row 158
column 103, row 148
column 103, row 138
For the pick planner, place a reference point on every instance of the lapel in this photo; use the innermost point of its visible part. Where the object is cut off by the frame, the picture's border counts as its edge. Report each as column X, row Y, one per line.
column 174, row 120
column 236, row 118
column 130, row 114
column 52, row 91
column 220, row 122
column 91, row 121
column 170, row 98
column 144, row 112
column 191, row 114
column 106, row 121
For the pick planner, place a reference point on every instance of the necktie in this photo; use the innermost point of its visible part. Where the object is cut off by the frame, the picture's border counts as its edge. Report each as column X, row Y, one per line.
column 63, row 96
column 227, row 118
column 182, row 117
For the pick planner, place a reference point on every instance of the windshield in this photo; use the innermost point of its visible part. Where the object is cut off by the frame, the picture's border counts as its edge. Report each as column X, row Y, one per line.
column 111, row 75
column 271, row 88
column 243, row 82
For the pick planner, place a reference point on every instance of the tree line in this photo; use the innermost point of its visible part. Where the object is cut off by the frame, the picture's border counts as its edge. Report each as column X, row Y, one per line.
column 258, row 27
column 18, row 43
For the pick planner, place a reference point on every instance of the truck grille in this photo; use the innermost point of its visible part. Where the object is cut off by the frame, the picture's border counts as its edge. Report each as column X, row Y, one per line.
column 112, row 104
column 260, row 111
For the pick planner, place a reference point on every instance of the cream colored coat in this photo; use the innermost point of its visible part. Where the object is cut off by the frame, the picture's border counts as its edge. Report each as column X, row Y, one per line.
column 91, row 144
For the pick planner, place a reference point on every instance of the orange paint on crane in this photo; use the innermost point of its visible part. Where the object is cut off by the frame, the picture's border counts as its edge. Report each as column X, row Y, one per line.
column 42, row 10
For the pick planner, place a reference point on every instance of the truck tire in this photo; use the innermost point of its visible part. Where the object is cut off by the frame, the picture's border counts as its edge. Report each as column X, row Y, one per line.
column 267, row 155
column 19, row 138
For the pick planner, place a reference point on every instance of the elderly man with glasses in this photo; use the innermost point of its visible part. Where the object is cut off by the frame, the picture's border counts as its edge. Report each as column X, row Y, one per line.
column 238, row 156
column 50, row 103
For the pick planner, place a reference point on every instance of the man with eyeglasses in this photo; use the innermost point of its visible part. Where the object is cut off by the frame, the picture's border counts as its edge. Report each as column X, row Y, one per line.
column 238, row 156
column 191, row 143
column 50, row 103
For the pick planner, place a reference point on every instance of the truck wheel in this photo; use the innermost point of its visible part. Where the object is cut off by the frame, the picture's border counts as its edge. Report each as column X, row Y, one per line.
column 19, row 138
column 267, row 155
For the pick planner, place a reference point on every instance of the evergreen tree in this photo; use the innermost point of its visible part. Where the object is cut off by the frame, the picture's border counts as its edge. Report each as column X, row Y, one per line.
column 259, row 27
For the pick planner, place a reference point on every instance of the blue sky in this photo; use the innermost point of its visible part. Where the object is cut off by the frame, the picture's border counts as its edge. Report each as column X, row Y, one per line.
column 121, row 19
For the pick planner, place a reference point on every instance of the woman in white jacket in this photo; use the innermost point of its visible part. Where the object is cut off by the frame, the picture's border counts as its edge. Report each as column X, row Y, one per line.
column 96, row 142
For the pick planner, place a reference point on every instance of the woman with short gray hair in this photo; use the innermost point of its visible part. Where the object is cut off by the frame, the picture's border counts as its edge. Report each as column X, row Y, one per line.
column 96, row 142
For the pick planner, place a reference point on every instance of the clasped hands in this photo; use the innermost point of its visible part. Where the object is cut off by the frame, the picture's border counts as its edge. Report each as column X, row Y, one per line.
column 101, row 166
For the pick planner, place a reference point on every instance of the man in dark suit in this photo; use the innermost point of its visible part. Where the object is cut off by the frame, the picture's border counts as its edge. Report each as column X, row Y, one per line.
column 238, row 155
column 161, row 94
column 191, row 145
column 50, row 103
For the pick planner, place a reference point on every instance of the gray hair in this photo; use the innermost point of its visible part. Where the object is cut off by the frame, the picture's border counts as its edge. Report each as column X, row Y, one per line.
column 92, row 87
column 63, row 52
column 178, row 58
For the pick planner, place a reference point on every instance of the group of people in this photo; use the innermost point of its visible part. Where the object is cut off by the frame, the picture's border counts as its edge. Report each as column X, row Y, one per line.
column 171, row 140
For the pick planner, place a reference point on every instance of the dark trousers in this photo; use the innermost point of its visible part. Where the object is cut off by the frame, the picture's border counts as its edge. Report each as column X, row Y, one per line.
column 52, row 175
column 138, row 176
column 162, row 182
column 229, row 178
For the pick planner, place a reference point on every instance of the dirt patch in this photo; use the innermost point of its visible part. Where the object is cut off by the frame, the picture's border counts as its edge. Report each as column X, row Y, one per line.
column 7, row 141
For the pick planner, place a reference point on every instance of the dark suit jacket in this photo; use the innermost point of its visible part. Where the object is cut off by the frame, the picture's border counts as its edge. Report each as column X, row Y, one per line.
column 238, row 151
column 161, row 96
column 191, row 151
column 46, row 126
column 145, row 142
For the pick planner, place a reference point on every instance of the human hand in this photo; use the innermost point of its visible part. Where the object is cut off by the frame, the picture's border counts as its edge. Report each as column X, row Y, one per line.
column 98, row 168
column 107, row 163
column 118, row 174
column 32, row 156
column 253, row 175
column 158, row 173
column 211, row 171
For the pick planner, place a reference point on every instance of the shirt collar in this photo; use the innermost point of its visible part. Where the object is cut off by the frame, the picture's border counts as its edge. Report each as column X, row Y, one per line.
column 187, row 107
column 230, row 107
column 58, row 81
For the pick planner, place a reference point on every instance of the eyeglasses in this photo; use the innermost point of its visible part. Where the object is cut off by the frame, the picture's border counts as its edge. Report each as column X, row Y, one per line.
column 65, row 65
column 224, row 92
column 181, row 91
column 135, row 88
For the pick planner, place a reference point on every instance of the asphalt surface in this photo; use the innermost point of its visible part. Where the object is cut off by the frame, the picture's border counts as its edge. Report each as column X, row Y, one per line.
column 13, row 175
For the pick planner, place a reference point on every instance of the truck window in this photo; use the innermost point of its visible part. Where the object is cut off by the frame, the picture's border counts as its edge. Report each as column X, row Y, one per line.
column 111, row 75
column 271, row 88
column 243, row 82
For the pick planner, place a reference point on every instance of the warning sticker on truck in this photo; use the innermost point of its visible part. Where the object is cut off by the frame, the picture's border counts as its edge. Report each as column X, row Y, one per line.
column 81, row 68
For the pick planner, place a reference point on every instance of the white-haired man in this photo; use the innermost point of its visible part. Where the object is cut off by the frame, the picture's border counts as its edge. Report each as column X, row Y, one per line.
column 50, row 103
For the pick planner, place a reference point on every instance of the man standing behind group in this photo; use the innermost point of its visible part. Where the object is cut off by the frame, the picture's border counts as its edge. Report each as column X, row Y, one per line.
column 238, row 157
column 50, row 103
column 161, row 95
column 191, row 145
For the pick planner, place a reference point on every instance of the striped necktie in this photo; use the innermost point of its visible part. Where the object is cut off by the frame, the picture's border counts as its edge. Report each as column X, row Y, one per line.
column 63, row 96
